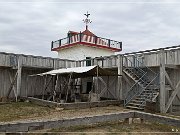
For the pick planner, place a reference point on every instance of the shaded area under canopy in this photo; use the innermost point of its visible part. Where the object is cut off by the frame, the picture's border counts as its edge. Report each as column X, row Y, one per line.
column 80, row 72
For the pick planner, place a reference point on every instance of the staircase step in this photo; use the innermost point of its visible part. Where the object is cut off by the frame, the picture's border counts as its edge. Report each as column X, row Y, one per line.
column 147, row 94
column 139, row 98
column 137, row 101
column 135, row 104
column 134, row 107
column 146, row 90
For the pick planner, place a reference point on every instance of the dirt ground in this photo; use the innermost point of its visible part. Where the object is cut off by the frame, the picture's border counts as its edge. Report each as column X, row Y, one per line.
column 23, row 111
column 121, row 128
column 28, row 111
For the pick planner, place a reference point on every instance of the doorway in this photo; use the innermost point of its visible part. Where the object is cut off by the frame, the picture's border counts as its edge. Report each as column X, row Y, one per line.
column 88, row 88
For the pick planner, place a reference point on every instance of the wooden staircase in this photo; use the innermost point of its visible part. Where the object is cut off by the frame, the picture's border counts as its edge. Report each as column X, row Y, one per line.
column 144, row 89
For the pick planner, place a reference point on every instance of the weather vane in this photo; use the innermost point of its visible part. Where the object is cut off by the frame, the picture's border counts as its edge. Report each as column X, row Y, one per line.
column 87, row 20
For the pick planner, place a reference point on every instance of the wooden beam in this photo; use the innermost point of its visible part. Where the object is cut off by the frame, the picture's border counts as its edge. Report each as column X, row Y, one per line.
column 47, row 84
column 126, row 79
column 153, row 50
column 67, row 92
column 112, row 82
column 120, row 72
column 12, row 85
column 173, row 95
column 64, row 82
column 169, row 80
column 106, row 86
column 171, row 85
column 178, row 97
column 171, row 66
column 19, row 75
column 44, row 87
column 162, row 81
column 97, row 83
column 56, row 87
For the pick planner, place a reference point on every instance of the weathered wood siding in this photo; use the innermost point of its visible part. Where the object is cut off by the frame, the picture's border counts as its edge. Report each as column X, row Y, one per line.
column 11, row 60
column 38, row 64
column 30, row 65
column 174, row 75
column 150, row 59
column 4, row 81
column 6, row 60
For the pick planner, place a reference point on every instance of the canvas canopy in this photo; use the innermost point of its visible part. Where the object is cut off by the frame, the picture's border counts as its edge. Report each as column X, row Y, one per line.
column 80, row 72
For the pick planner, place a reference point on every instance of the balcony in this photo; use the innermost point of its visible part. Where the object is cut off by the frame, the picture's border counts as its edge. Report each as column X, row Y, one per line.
column 89, row 40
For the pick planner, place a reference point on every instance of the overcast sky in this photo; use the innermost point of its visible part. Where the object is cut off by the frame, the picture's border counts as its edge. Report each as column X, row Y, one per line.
column 29, row 27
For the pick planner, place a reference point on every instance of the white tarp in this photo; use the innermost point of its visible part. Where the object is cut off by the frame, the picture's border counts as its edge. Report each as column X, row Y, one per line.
column 80, row 72
column 68, row 70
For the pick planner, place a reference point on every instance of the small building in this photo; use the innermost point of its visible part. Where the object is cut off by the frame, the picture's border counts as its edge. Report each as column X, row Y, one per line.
column 84, row 45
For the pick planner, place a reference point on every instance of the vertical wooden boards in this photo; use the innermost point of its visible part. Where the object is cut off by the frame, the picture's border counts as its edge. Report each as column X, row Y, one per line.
column 5, row 60
column 19, row 71
column 162, row 81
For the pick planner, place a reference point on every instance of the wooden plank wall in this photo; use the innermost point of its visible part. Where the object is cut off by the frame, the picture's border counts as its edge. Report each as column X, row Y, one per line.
column 174, row 75
column 5, row 59
column 30, row 65
column 36, row 64
column 4, row 81
column 150, row 59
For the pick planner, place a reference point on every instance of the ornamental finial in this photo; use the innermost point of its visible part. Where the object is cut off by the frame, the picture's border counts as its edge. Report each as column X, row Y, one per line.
column 87, row 20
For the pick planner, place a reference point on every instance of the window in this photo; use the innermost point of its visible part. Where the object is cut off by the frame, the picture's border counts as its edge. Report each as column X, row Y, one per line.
column 88, row 61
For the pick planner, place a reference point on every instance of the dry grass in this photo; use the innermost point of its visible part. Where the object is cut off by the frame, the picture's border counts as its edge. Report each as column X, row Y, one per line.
column 28, row 111
column 120, row 128
column 21, row 110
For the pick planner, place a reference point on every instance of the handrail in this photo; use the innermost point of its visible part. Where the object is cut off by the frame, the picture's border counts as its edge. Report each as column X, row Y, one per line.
column 131, row 89
column 143, row 88
column 86, row 38
column 147, row 67
column 150, row 94
column 136, row 66
column 152, row 50
column 133, row 64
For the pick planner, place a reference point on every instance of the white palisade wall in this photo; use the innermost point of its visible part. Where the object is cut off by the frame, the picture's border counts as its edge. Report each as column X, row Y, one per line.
column 80, row 52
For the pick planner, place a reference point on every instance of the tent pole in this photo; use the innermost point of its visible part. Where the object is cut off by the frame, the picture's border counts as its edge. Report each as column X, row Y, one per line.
column 60, row 89
column 68, row 86
column 107, row 85
column 55, row 89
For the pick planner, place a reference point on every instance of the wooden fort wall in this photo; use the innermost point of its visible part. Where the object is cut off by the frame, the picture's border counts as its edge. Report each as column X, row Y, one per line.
column 27, row 64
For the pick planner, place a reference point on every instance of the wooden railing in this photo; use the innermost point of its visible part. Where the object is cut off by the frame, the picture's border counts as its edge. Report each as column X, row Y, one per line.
column 11, row 60
column 149, row 58
column 82, row 38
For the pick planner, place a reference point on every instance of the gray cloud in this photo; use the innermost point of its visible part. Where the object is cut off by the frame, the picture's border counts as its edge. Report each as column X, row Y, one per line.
column 29, row 27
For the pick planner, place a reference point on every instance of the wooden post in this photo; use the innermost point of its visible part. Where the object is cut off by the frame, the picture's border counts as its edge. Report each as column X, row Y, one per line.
column 27, row 85
column 19, row 75
column 97, row 83
column 107, row 86
column 68, row 88
column 44, row 79
column 169, row 94
column 162, row 81
column 120, row 72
